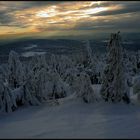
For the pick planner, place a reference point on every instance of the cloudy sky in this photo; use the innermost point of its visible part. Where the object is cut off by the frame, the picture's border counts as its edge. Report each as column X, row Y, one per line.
column 65, row 18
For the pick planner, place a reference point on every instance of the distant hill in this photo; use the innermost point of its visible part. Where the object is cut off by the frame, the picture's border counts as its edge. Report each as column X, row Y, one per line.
column 65, row 46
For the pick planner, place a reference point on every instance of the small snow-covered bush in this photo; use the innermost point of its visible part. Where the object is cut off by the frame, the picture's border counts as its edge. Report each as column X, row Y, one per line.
column 55, row 86
column 82, row 87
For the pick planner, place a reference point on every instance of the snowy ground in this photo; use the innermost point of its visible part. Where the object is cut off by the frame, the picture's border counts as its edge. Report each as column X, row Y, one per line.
column 73, row 119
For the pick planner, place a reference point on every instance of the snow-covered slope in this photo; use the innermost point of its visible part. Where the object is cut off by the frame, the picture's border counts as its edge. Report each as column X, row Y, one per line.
column 73, row 119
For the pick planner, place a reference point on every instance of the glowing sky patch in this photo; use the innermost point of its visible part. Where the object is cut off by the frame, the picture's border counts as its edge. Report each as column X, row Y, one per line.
column 95, row 10
column 42, row 14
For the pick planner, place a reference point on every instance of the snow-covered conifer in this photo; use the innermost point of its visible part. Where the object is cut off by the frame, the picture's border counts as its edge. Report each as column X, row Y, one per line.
column 55, row 86
column 114, row 78
column 7, row 102
column 91, row 64
column 16, row 74
column 82, row 87
column 138, row 60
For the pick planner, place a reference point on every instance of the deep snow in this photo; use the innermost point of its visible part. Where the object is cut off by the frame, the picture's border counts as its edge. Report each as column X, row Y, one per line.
column 73, row 119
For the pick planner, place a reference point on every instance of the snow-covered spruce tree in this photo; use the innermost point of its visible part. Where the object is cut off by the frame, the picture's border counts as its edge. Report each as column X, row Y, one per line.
column 3, row 72
column 136, row 88
column 7, row 102
column 99, row 71
column 28, row 93
column 30, row 87
column 11, row 98
column 114, row 86
column 53, row 63
column 70, row 75
column 131, row 62
column 88, row 56
column 56, row 87
column 42, row 62
column 138, row 61
column 34, row 91
column 78, row 59
column 39, row 84
column 16, row 74
column 101, row 62
column 91, row 63
column 64, row 63
column 83, row 89
column 34, row 64
column 60, row 64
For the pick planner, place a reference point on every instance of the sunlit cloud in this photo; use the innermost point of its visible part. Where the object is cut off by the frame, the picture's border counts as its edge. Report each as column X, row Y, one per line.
column 35, row 17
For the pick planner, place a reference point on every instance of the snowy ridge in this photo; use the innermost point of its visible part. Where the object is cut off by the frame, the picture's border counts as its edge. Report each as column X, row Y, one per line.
column 79, row 96
column 73, row 120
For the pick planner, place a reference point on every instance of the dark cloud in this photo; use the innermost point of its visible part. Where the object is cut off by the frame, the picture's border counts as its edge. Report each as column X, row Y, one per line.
column 126, row 8
column 22, row 5
column 5, row 18
column 93, row 27
column 130, row 21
